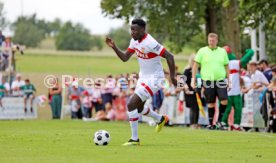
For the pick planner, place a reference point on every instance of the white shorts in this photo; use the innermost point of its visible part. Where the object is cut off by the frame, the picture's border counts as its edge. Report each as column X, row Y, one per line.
column 146, row 88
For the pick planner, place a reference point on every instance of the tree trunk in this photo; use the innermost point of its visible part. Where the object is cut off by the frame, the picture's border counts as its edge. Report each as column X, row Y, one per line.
column 211, row 17
column 231, row 27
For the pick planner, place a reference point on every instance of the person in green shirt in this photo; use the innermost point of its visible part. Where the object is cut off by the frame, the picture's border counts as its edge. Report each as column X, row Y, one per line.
column 29, row 91
column 2, row 94
column 213, row 61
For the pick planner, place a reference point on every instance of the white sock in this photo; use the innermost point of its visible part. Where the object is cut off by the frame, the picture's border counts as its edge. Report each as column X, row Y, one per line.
column 147, row 111
column 133, row 121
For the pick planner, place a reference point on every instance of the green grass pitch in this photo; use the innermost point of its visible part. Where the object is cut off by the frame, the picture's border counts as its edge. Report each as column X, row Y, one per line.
column 71, row 141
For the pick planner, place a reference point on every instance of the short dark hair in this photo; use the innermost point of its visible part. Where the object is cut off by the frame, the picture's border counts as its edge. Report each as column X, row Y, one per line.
column 139, row 22
column 263, row 61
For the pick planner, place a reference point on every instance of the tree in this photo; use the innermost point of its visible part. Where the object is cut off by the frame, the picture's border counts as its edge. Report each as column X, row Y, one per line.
column 97, row 42
column 3, row 21
column 73, row 37
column 26, row 32
column 121, row 35
column 169, row 20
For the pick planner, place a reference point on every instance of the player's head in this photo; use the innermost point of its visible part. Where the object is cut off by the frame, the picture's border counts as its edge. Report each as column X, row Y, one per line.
column 138, row 28
column 212, row 40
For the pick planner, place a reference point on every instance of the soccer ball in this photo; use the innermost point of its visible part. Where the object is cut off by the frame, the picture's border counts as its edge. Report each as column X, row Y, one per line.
column 101, row 137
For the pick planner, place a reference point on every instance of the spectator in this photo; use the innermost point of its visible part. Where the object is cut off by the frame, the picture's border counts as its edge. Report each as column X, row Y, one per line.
column 28, row 90
column 273, row 72
column 87, row 105
column 190, row 95
column 213, row 61
column 16, row 84
column 263, row 64
column 257, row 77
column 107, row 90
column 6, row 85
column 2, row 38
column 96, row 98
column 7, row 46
column 74, row 95
column 2, row 94
column 56, row 99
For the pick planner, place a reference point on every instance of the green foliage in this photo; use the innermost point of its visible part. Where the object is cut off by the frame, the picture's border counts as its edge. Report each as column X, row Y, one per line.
column 253, row 12
column 97, row 42
column 169, row 20
column 73, row 37
column 3, row 21
column 29, row 30
column 271, row 46
column 26, row 32
column 121, row 36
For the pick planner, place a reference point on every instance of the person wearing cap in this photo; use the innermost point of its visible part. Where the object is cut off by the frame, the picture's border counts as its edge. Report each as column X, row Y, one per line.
column 74, row 97
column 16, row 84
column 213, row 61
column 86, row 103
column 234, row 94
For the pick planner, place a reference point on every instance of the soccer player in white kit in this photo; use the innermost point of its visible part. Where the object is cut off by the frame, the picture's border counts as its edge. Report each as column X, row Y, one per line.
column 151, row 75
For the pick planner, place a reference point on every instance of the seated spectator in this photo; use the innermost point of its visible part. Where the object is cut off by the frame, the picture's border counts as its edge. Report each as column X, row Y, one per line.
column 6, row 85
column 108, row 115
column 29, row 93
column 16, row 84
column 2, row 94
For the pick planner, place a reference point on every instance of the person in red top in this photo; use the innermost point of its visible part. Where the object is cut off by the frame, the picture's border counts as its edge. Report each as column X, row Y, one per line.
column 149, row 53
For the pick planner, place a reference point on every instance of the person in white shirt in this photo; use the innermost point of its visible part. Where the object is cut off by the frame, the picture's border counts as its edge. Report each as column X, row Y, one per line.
column 258, row 79
column 149, row 53
column 16, row 84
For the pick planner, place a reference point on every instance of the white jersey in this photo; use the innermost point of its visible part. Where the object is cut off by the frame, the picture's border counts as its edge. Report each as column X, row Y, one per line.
column 234, row 68
column 148, row 51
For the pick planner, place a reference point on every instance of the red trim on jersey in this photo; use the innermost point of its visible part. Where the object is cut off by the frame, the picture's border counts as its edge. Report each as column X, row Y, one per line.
column 162, row 52
column 143, row 38
column 147, row 88
column 144, row 55
column 133, row 119
column 147, row 112
column 130, row 50
column 234, row 71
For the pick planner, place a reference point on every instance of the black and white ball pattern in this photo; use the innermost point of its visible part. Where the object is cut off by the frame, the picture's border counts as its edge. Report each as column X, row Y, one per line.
column 101, row 137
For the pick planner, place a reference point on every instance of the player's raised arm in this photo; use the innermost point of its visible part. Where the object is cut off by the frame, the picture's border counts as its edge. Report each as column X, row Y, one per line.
column 124, row 56
column 170, row 61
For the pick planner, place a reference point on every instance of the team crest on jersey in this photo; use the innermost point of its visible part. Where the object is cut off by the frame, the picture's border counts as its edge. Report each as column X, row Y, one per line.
column 143, row 50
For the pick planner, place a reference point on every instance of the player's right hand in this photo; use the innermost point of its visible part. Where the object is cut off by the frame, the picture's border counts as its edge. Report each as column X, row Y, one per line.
column 110, row 42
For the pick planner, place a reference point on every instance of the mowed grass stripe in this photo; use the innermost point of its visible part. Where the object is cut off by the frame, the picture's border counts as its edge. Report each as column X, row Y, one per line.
column 71, row 141
column 31, row 63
